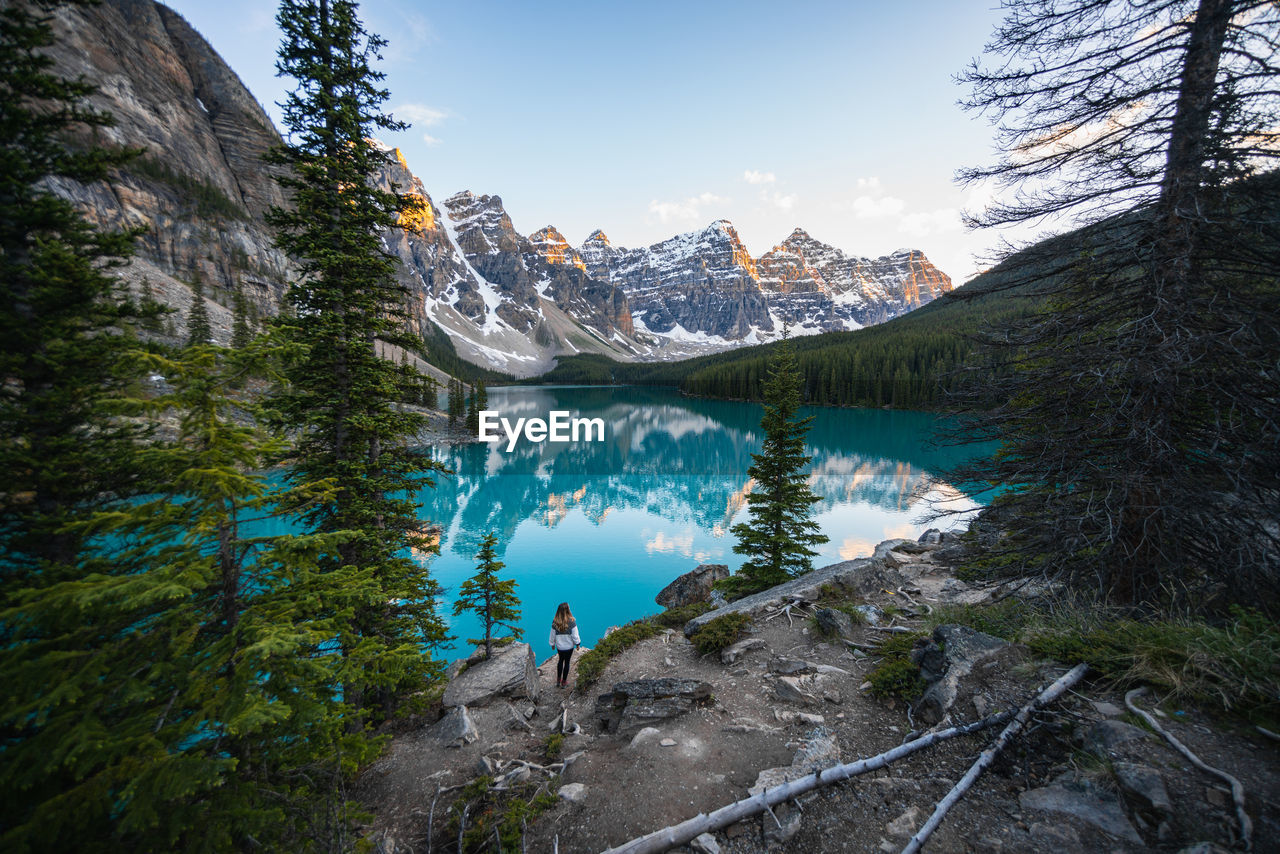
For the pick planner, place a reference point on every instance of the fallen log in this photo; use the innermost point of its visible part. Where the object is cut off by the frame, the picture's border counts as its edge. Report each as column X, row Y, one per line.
column 1237, row 789
column 686, row 831
column 1048, row 695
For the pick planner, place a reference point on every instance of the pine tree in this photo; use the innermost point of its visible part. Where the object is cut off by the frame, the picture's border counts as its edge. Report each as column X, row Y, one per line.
column 456, row 403
column 482, row 400
column 473, row 411
column 206, row 716
column 342, row 396
column 240, row 331
column 492, row 600
column 60, row 449
column 1137, row 412
column 778, row 537
column 198, row 329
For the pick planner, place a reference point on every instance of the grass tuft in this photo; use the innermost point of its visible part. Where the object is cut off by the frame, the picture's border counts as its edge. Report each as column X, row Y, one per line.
column 720, row 633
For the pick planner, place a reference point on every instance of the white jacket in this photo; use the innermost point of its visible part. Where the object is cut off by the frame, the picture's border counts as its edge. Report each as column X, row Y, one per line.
column 565, row 641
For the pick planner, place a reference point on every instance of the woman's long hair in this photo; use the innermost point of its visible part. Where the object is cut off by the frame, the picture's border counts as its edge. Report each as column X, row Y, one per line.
column 563, row 623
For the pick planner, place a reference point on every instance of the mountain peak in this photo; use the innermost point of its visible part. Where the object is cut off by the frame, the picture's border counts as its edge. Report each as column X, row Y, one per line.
column 597, row 236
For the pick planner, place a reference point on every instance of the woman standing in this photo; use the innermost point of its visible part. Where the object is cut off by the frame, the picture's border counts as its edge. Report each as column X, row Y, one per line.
column 564, row 639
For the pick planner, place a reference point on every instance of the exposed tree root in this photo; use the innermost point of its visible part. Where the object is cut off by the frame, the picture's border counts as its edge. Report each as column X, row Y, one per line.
column 1237, row 790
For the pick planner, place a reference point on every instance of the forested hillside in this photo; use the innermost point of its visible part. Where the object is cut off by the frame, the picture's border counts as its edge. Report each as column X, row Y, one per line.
column 910, row 361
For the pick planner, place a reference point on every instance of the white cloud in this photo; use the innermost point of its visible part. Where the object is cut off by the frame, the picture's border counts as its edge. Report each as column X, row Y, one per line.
column 870, row 184
column 751, row 176
column 930, row 222
column 429, row 139
column 783, row 203
column 875, row 207
column 419, row 114
column 689, row 209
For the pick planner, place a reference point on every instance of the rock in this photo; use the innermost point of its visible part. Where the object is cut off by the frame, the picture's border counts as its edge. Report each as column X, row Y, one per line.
column 819, row 750
column 790, row 666
column 512, row 672
column 1144, row 790
column 644, row 736
column 485, row 767
column 642, row 701
column 981, row 705
column 833, row 697
column 809, row 719
column 705, row 843
column 786, row 825
column 1086, row 802
column 789, row 691
column 574, row 793
column 873, row 615
column 731, row 654
column 931, row 537
column 1217, row 797
column 1107, row 710
column 455, row 668
column 833, row 622
column 1105, row 736
column 1055, row 837
column 946, row 662
column 668, row 742
column 455, row 729
column 717, row 599
column 1204, row 848
column 693, row 586
column 905, row 825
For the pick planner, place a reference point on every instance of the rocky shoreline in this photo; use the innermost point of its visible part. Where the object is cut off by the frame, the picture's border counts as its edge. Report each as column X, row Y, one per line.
column 667, row 733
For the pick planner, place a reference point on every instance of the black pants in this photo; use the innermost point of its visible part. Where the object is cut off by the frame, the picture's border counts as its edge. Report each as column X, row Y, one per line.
column 562, row 666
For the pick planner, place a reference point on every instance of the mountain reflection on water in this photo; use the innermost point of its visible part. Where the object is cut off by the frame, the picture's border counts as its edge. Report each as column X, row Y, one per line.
column 606, row 525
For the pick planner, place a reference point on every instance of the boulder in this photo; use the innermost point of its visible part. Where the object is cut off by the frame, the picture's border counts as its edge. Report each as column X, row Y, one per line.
column 1076, row 797
column 643, row 701
column 946, row 661
column 905, row 825
column 574, row 793
column 818, row 750
column 693, row 586
column 833, row 622
column 1144, row 790
column 455, row 729
column 737, row 650
column 705, row 843
column 790, row 666
column 512, row 672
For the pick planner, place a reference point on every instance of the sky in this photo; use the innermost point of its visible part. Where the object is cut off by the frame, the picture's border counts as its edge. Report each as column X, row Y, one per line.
column 648, row 119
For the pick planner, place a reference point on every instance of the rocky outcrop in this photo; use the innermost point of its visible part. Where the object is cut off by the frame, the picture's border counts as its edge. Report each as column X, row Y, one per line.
column 946, row 660
column 694, row 586
column 512, row 672
column 643, row 701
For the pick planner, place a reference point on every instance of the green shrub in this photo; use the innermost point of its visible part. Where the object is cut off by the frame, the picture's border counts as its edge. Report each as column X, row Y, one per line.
column 736, row 586
column 504, row 811
column 552, row 745
column 1006, row 619
column 720, row 633
column 896, row 677
column 593, row 662
column 675, row 618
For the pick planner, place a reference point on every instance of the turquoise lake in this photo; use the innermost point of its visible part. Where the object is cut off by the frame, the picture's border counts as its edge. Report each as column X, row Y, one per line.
column 606, row 525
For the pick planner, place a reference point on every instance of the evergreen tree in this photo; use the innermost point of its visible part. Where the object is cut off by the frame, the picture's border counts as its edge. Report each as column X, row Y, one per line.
column 240, row 331
column 341, row 398
column 205, row 716
column 1137, row 414
column 482, row 400
column 198, row 329
column 778, row 537
column 473, row 411
column 60, row 448
column 491, row 599
column 456, row 403
column 150, row 308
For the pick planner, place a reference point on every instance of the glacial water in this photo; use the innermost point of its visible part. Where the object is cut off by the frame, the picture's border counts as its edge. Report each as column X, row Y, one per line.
column 606, row 525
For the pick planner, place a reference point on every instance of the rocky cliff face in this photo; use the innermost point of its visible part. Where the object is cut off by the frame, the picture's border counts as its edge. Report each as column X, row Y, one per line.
column 200, row 188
